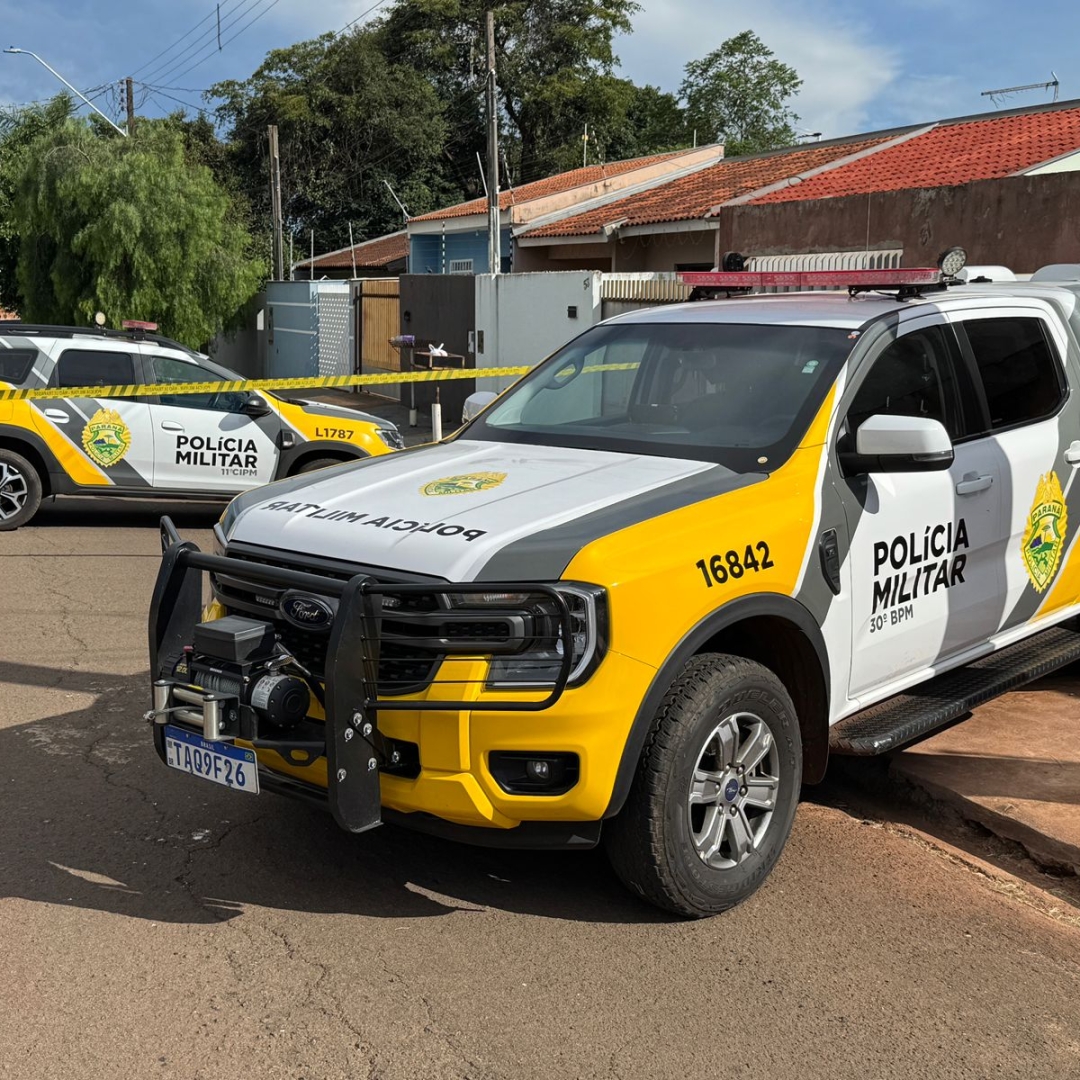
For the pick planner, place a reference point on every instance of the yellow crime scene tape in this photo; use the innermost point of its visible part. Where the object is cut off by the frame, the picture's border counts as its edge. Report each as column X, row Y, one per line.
column 154, row 389
column 38, row 393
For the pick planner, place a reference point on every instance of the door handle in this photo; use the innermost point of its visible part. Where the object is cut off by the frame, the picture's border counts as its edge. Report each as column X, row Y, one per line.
column 171, row 425
column 57, row 416
column 973, row 482
column 1072, row 455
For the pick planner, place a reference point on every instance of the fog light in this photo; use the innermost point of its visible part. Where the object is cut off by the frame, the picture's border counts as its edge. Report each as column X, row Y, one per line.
column 534, row 772
column 538, row 769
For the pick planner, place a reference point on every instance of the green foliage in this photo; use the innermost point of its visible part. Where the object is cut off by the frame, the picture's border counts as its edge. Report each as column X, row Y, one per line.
column 133, row 227
column 738, row 95
column 549, row 55
column 348, row 120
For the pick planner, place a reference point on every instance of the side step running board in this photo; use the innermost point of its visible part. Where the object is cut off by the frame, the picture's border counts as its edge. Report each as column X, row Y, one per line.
column 898, row 720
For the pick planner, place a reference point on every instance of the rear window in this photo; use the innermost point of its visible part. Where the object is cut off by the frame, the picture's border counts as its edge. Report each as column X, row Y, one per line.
column 1019, row 370
column 16, row 364
column 94, row 367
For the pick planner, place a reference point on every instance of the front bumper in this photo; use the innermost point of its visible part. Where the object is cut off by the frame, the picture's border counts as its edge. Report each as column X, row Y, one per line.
column 455, row 722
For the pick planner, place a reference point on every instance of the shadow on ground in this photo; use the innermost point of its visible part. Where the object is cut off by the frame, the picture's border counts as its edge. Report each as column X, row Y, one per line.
column 92, row 819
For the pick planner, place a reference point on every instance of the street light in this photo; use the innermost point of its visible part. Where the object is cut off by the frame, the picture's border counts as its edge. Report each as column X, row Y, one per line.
column 27, row 52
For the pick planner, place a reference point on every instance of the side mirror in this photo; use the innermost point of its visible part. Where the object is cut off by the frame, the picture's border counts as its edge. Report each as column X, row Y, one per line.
column 902, row 444
column 476, row 403
column 255, row 407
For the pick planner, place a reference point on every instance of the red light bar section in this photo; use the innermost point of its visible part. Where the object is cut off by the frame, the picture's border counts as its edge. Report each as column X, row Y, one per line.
column 924, row 275
column 138, row 324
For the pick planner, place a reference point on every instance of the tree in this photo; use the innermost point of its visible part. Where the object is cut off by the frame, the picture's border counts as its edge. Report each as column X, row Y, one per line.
column 549, row 53
column 348, row 120
column 131, row 227
column 738, row 95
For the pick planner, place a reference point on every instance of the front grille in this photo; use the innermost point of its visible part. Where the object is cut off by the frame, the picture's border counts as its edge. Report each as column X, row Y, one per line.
column 404, row 668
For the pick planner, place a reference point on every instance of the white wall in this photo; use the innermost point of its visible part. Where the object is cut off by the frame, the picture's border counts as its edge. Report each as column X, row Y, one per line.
column 523, row 317
column 1065, row 163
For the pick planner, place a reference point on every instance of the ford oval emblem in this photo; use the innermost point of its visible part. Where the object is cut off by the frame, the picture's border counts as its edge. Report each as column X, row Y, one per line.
column 307, row 612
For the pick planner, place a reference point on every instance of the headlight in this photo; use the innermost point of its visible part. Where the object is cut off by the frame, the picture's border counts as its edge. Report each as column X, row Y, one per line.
column 392, row 437
column 538, row 660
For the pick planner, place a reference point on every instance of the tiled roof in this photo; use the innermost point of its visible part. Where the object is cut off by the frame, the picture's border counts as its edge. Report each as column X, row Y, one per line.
column 379, row 252
column 694, row 195
column 954, row 152
column 552, row 185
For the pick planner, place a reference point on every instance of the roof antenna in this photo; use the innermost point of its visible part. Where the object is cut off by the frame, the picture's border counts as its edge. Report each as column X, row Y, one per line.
column 998, row 96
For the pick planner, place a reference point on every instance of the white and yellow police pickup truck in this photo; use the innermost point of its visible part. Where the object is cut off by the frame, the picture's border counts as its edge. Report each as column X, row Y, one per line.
column 161, row 445
column 652, row 585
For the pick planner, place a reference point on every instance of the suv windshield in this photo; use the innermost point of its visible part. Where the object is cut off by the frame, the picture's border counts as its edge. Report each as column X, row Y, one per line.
column 739, row 394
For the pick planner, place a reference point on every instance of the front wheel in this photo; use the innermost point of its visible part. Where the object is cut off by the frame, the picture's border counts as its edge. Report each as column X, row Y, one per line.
column 716, row 788
column 20, row 490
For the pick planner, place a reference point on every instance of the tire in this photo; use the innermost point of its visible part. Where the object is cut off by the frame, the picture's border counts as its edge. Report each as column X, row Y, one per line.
column 20, row 490
column 317, row 463
column 662, row 842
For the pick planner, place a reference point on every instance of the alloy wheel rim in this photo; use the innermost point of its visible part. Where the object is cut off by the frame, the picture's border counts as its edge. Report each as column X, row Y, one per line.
column 14, row 491
column 733, row 791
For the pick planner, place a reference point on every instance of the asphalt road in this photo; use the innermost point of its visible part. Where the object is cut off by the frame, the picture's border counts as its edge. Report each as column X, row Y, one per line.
column 154, row 926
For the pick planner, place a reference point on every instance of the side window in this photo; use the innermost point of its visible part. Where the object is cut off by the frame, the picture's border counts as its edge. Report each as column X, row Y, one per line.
column 94, row 367
column 167, row 369
column 1020, row 372
column 16, row 364
column 914, row 376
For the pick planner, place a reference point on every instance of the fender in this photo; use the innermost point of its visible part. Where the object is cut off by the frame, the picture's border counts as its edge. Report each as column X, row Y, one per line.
column 774, row 605
column 342, row 450
column 11, row 435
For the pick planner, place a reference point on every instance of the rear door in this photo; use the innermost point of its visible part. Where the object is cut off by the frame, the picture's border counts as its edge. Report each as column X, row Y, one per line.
column 1017, row 351
column 112, row 435
column 205, row 442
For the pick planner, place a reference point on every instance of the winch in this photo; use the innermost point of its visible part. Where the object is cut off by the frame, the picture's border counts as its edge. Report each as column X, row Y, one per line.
column 232, row 678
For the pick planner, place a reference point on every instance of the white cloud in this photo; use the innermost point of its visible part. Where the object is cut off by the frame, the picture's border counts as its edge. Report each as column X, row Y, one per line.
column 843, row 67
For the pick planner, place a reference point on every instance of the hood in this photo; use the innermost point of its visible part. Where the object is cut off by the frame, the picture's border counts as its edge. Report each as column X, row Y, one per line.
column 342, row 412
column 467, row 511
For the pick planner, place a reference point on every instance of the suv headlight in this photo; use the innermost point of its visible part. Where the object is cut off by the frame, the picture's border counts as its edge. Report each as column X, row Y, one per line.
column 537, row 662
column 392, row 437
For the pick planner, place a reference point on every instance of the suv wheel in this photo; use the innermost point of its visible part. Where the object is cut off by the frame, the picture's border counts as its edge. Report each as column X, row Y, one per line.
column 716, row 789
column 20, row 490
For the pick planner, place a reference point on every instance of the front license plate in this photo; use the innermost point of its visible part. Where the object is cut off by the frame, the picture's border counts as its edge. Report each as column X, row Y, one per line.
column 220, row 763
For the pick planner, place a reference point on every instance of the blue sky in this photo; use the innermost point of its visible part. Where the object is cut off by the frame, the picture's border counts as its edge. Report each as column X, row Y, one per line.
column 865, row 65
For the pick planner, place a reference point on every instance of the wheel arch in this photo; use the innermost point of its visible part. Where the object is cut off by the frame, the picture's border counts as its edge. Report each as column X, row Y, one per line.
column 774, row 631
column 293, row 460
column 33, row 448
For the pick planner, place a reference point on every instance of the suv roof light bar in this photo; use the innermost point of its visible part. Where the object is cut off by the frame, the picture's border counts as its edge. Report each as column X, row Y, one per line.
column 852, row 279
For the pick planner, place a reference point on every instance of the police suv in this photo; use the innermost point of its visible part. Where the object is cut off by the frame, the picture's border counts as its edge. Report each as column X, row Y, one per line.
column 213, row 444
column 652, row 586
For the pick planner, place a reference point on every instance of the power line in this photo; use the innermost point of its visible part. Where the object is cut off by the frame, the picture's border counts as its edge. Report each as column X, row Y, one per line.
column 201, row 43
column 251, row 22
column 153, row 59
column 157, row 92
column 362, row 15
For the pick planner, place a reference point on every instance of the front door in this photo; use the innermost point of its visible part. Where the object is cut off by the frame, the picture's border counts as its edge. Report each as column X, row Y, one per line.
column 204, row 442
column 925, row 575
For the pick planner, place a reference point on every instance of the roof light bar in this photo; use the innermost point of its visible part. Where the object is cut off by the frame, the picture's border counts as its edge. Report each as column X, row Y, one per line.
column 851, row 279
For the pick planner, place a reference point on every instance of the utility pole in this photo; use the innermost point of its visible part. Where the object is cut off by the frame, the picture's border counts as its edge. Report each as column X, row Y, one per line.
column 494, row 241
column 585, row 146
column 129, row 100
column 275, row 204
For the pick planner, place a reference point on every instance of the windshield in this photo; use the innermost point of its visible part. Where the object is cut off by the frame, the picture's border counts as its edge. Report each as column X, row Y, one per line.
column 739, row 394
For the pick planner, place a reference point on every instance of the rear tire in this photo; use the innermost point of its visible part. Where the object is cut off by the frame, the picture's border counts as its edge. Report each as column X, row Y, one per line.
column 20, row 490
column 716, row 788
column 316, row 464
